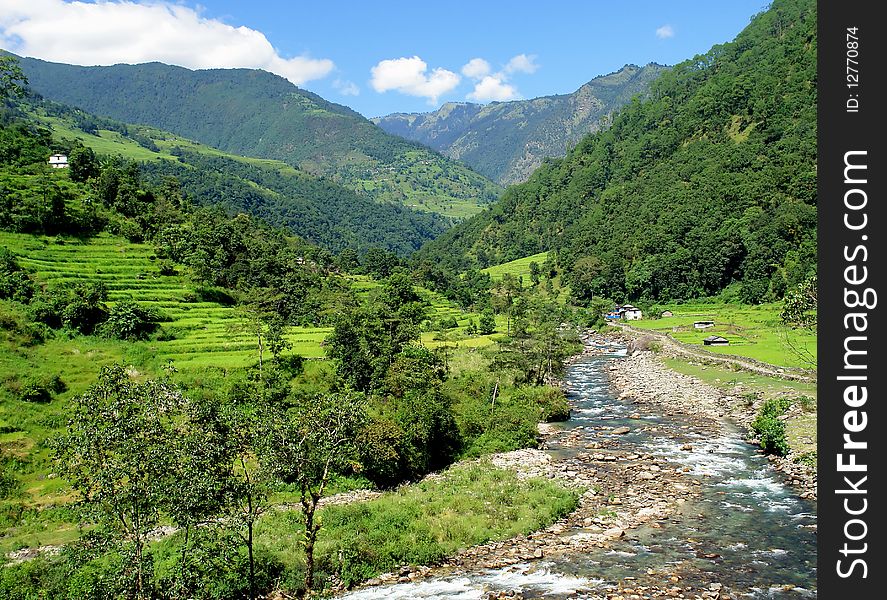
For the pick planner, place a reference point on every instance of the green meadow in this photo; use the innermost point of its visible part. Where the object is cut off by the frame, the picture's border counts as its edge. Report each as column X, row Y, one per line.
column 754, row 331
column 516, row 268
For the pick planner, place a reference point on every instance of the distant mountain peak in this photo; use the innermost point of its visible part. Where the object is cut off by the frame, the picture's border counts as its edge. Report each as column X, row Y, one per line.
column 506, row 141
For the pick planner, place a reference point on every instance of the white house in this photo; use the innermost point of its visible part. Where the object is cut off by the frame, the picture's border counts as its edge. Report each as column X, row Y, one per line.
column 631, row 313
column 703, row 324
column 58, row 161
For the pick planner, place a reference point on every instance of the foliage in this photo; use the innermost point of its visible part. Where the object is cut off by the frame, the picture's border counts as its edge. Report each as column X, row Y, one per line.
column 799, row 305
column 129, row 321
column 769, row 428
column 709, row 181
column 12, row 79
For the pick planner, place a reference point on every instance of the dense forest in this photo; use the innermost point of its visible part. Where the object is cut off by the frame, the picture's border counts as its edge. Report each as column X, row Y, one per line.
column 507, row 141
column 255, row 113
column 708, row 185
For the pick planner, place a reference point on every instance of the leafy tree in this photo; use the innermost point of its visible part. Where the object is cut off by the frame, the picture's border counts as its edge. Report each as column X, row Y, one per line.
column 83, row 164
column 12, row 79
column 129, row 321
column 308, row 445
column 117, row 455
column 487, row 323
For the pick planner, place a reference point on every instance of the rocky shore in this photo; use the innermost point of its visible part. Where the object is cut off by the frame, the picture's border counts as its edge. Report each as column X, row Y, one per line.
column 620, row 489
column 643, row 379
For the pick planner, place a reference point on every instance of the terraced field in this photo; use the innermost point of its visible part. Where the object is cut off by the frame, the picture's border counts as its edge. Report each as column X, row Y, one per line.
column 203, row 333
column 516, row 268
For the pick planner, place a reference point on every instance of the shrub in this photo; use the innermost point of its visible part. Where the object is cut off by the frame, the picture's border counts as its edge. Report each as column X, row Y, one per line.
column 129, row 321
column 487, row 323
column 769, row 428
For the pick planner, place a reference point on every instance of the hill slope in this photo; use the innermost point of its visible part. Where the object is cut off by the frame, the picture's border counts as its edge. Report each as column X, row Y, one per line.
column 255, row 113
column 316, row 209
column 710, row 182
column 506, row 141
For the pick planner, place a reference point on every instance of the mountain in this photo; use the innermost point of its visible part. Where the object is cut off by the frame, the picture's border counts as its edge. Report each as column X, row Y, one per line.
column 316, row 209
column 708, row 184
column 258, row 114
column 506, row 141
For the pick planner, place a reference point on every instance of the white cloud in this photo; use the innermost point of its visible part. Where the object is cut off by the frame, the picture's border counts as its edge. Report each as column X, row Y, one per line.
column 346, row 88
column 492, row 88
column 476, row 68
column 665, row 32
column 410, row 76
column 125, row 31
column 522, row 63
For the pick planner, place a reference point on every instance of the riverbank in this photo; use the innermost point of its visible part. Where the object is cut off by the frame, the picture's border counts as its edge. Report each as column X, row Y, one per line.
column 631, row 490
column 643, row 379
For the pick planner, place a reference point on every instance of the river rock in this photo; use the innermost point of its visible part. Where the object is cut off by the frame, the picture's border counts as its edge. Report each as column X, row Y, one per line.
column 621, row 430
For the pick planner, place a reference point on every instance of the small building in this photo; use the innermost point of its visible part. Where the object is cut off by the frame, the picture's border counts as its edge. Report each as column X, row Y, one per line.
column 715, row 340
column 58, row 161
column 631, row 313
column 703, row 324
column 666, row 313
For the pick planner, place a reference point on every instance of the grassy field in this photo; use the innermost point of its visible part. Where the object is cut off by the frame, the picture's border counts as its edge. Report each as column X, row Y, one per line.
column 421, row 523
column 753, row 331
column 516, row 268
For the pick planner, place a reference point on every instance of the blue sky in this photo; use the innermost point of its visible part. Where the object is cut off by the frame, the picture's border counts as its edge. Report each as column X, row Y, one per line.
column 386, row 57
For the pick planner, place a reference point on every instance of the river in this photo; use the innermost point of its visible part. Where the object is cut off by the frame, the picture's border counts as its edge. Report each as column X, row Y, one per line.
column 741, row 533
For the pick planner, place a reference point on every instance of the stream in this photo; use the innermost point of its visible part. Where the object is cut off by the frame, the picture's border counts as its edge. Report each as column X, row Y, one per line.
column 744, row 534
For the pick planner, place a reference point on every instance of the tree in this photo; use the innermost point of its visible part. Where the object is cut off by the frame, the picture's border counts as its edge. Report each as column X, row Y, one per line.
column 117, row 455
column 307, row 445
column 83, row 164
column 12, row 79
column 487, row 323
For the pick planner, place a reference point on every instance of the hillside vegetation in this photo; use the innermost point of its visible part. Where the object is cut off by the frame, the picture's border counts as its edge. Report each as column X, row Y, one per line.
column 708, row 185
column 507, row 141
column 258, row 114
column 316, row 209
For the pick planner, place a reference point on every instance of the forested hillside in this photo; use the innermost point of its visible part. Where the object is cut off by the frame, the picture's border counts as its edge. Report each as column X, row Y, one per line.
column 710, row 182
column 255, row 113
column 316, row 209
column 507, row 141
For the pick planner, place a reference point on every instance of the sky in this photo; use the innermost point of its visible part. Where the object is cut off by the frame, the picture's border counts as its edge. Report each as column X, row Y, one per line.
column 382, row 57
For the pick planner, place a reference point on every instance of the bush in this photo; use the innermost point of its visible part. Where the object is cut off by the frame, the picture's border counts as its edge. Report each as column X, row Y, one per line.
column 129, row 321
column 40, row 389
column 487, row 323
column 769, row 428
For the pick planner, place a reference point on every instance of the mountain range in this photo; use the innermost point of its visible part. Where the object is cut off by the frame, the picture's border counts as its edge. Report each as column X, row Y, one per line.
column 708, row 186
column 257, row 114
column 507, row 141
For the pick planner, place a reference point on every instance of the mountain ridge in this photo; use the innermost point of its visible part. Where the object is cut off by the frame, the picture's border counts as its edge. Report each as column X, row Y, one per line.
column 254, row 113
column 506, row 141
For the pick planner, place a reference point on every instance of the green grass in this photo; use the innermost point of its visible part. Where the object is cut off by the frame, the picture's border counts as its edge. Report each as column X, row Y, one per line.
column 422, row 523
column 754, row 332
column 516, row 268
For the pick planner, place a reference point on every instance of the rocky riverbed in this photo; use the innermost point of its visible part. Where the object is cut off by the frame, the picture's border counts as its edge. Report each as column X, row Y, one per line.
column 638, row 472
column 641, row 378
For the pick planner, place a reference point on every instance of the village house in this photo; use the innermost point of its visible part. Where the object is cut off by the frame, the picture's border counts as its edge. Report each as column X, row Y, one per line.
column 666, row 313
column 58, row 161
column 715, row 340
column 703, row 324
column 626, row 312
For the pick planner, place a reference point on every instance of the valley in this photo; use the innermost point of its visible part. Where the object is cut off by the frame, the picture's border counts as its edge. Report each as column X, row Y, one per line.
column 254, row 345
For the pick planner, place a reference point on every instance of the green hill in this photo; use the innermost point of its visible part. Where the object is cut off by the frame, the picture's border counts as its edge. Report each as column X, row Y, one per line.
column 507, row 141
column 255, row 113
column 316, row 209
column 708, row 184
